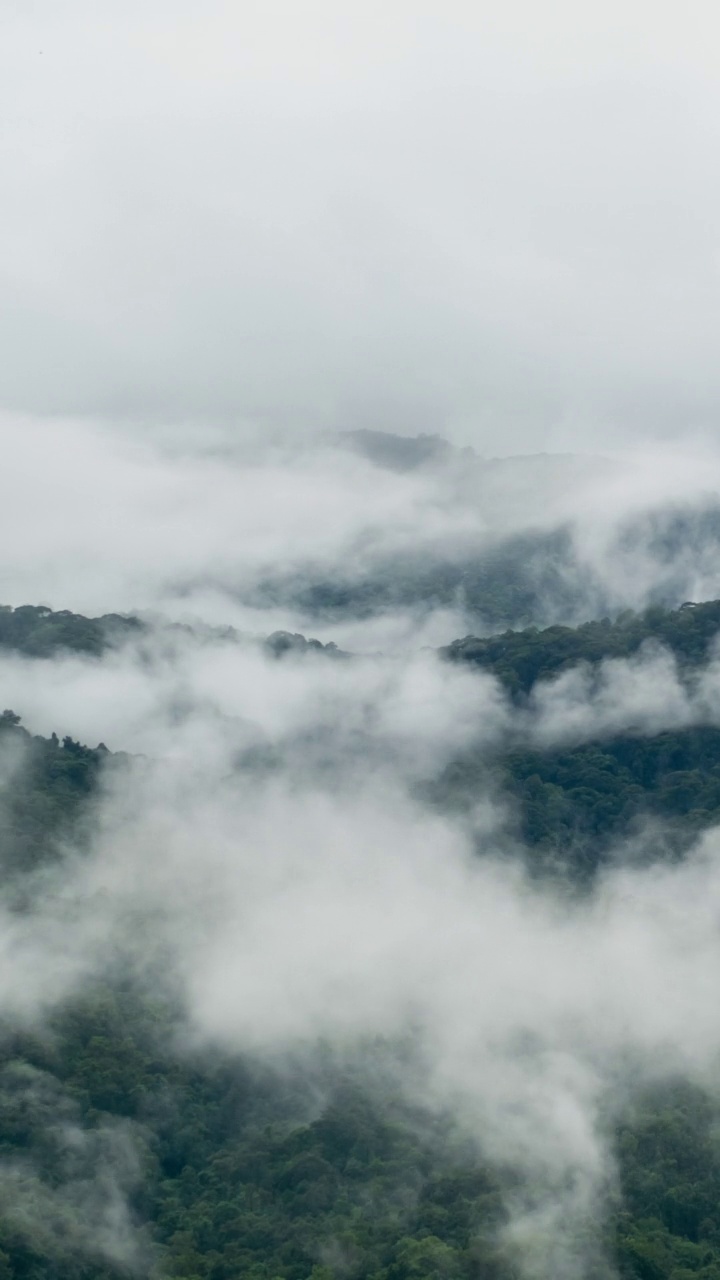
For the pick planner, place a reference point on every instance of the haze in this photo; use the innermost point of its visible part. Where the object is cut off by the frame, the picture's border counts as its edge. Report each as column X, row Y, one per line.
column 233, row 234
column 495, row 221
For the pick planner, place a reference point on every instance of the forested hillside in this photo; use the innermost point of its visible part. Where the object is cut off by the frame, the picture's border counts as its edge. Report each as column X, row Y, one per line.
column 125, row 1153
column 47, row 789
column 513, row 583
column 360, row 653
column 39, row 632
column 245, row 1173
column 573, row 802
column 536, row 576
column 519, row 658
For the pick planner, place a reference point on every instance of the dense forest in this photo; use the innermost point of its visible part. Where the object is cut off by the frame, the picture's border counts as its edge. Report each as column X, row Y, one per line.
column 572, row 803
column 246, row 1169
column 39, row 632
column 520, row 658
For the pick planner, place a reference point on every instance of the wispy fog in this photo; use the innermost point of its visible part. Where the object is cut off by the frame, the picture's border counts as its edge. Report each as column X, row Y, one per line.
column 232, row 528
column 267, row 853
column 237, row 239
column 319, row 902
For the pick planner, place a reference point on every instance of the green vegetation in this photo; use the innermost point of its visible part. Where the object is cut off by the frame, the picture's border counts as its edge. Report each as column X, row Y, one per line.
column 520, row 658
column 46, row 787
column 283, row 642
column 570, row 807
column 120, row 1154
column 572, row 804
column 669, row 1161
column 532, row 578
column 240, row 1171
column 523, row 579
column 39, row 632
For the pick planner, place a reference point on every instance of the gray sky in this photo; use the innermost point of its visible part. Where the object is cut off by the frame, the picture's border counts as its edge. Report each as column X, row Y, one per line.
column 497, row 221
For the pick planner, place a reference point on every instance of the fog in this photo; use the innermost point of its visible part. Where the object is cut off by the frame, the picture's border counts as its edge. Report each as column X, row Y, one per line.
column 319, row 901
column 268, row 849
column 323, row 903
column 413, row 710
column 491, row 221
column 238, row 529
column 233, row 237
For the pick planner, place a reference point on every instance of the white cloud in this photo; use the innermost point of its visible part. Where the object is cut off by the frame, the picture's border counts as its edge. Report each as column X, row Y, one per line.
column 492, row 220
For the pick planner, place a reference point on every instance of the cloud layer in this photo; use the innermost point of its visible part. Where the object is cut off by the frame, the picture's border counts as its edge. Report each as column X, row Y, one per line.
column 492, row 222
column 232, row 528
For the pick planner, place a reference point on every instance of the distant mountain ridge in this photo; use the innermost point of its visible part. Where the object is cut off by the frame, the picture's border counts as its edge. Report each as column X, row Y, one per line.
column 40, row 632
column 395, row 452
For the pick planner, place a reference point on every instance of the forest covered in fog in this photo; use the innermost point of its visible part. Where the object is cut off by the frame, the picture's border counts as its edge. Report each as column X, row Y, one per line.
column 359, row 640
column 378, row 947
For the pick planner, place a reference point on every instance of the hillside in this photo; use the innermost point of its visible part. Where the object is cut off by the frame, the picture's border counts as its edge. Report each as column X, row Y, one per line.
column 328, row 1171
column 520, row 658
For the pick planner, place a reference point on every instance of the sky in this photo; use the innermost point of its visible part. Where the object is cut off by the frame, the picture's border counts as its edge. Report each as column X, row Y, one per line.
column 498, row 222
column 233, row 229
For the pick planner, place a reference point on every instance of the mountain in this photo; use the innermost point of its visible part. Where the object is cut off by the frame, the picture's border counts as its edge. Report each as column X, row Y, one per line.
column 126, row 1152
column 394, row 452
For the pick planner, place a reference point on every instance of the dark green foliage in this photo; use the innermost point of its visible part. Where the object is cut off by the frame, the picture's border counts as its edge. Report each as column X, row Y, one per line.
column 242, row 1171
column 572, row 803
column 596, row 792
column 45, row 788
column 520, row 658
column 351, row 1190
column 535, row 577
column 225, row 1168
column 571, row 806
column 39, row 632
column 669, row 1159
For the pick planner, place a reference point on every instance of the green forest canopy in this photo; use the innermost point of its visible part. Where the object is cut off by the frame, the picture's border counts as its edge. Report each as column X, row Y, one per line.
column 242, row 1173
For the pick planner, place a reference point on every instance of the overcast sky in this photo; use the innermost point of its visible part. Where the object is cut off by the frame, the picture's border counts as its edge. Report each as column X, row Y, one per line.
column 498, row 221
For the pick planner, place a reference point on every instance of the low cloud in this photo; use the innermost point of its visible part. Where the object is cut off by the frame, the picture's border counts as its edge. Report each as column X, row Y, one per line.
column 68, row 1196
column 307, row 537
column 318, row 902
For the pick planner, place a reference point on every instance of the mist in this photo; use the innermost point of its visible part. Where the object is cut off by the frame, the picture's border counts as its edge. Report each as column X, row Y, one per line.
column 381, row 327
column 324, row 905
column 311, row 898
column 496, row 224
column 268, row 534
column 267, row 848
